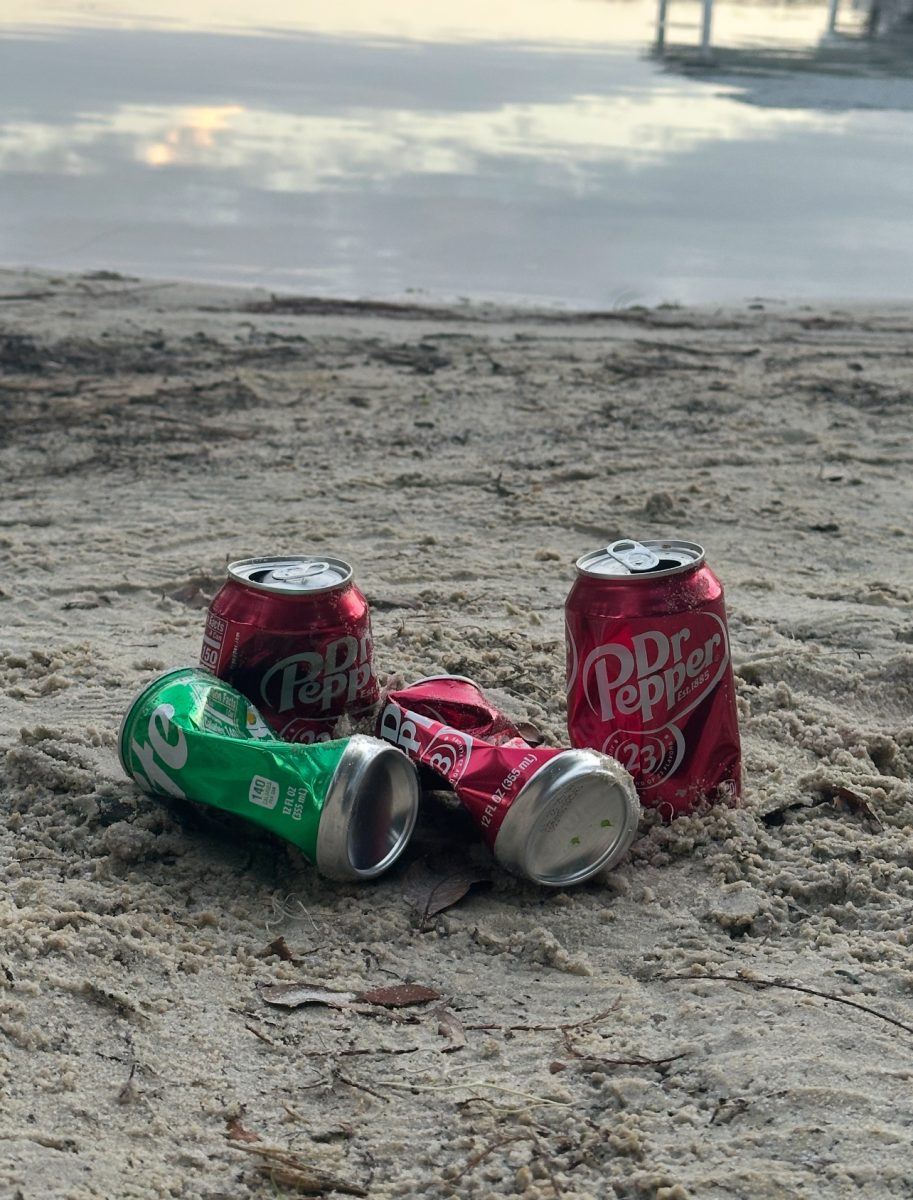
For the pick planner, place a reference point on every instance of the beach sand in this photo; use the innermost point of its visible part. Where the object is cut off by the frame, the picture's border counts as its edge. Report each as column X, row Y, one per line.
column 727, row 1014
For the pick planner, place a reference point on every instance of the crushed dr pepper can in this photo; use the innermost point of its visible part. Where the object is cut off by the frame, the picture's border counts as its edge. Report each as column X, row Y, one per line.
column 556, row 816
column 349, row 805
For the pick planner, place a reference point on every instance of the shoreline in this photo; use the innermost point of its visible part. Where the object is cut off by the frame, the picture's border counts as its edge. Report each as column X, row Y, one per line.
column 39, row 283
column 728, row 1014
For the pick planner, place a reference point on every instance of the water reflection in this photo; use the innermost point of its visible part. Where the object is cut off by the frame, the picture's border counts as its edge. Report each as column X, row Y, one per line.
column 536, row 22
column 447, row 159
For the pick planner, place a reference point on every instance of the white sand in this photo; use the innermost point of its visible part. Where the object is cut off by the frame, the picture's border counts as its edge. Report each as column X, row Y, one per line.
column 461, row 460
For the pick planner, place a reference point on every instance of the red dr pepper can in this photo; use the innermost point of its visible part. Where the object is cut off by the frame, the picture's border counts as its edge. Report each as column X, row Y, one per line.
column 555, row 816
column 294, row 636
column 649, row 677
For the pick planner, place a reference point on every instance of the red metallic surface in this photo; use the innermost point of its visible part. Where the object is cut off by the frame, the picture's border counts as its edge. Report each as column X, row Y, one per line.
column 303, row 660
column 649, row 681
column 447, row 725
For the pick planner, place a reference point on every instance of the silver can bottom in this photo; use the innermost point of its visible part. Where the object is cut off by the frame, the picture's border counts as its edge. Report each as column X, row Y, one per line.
column 576, row 816
column 370, row 810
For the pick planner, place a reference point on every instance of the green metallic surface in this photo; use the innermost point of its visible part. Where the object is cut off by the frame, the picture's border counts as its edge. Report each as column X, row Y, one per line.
column 190, row 735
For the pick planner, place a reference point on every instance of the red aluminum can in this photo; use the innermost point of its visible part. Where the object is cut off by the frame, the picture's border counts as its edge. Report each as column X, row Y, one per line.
column 555, row 816
column 294, row 636
column 649, row 677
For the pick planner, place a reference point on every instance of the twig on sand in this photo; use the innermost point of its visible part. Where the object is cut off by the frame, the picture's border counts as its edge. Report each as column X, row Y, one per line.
column 567, row 1029
column 546, row 1028
column 264, row 1037
column 406, row 1085
column 475, row 1159
column 637, row 1061
column 362, row 1087
column 287, row 1169
column 792, row 987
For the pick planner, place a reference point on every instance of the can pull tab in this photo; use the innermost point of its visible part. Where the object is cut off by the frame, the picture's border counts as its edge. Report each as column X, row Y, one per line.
column 633, row 555
column 300, row 572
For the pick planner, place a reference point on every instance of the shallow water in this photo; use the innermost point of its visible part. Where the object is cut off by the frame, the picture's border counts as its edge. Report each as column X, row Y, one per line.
column 535, row 152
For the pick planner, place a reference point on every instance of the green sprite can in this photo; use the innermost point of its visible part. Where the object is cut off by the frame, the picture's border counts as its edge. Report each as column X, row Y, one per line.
column 349, row 805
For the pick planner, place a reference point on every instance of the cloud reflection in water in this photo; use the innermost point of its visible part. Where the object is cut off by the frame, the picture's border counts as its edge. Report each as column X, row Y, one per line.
column 482, row 169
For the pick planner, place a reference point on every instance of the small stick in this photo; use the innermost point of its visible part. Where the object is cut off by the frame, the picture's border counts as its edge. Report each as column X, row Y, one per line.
column 11, row 296
column 291, row 1170
column 547, row 1028
column 637, row 1061
column 796, row 987
column 470, row 1083
column 264, row 1037
column 473, row 1162
column 551, row 1178
column 363, row 1087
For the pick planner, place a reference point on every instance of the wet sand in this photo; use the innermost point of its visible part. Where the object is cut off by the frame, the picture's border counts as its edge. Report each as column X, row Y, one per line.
column 727, row 1014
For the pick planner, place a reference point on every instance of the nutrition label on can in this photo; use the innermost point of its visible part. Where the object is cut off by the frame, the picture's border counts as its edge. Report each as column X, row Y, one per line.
column 213, row 639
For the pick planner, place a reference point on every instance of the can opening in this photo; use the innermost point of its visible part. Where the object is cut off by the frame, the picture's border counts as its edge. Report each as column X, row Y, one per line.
column 638, row 558
column 664, row 564
column 306, row 574
column 301, row 577
column 383, row 814
column 630, row 559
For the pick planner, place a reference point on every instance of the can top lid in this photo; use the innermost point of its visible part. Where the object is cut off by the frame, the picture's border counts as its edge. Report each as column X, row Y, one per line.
column 653, row 557
column 304, row 573
column 576, row 816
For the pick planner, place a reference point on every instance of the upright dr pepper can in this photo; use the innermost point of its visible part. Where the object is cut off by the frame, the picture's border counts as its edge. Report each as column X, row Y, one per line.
column 649, row 677
column 294, row 636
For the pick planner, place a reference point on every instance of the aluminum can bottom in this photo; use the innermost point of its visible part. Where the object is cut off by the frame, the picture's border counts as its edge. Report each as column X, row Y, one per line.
column 577, row 816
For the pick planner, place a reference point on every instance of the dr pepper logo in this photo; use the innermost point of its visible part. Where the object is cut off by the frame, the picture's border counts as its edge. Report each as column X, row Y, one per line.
column 445, row 750
column 322, row 681
column 657, row 676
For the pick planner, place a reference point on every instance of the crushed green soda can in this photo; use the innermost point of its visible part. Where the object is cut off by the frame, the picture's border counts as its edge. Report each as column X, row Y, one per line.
column 349, row 805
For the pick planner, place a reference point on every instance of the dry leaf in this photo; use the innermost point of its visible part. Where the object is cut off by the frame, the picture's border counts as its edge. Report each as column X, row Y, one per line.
column 855, row 802
column 450, row 1027
column 308, row 1182
column 279, row 947
column 386, row 603
column 400, row 995
column 529, row 733
column 90, row 600
column 431, row 884
column 237, row 1132
column 191, row 595
column 287, row 1169
column 293, row 995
